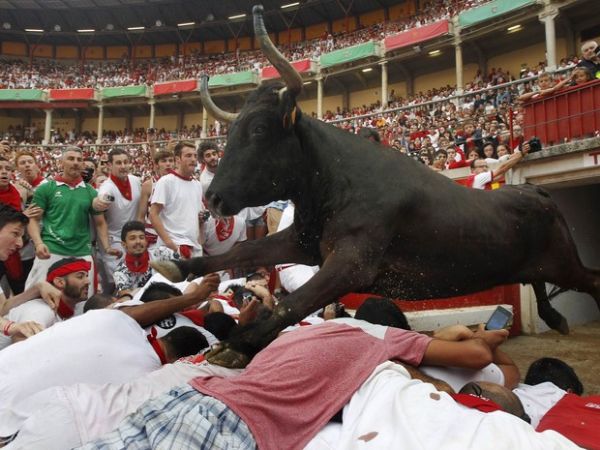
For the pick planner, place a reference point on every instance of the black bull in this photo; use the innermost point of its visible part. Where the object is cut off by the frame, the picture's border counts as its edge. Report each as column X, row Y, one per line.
column 375, row 221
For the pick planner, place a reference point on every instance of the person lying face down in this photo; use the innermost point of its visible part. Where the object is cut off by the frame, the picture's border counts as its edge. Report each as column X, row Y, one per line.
column 289, row 391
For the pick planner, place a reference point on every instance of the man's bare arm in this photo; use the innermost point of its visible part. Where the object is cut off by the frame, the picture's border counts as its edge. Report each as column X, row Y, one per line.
column 152, row 312
column 160, row 229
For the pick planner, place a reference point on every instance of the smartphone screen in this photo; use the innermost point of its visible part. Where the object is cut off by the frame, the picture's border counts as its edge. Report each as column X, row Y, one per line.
column 499, row 319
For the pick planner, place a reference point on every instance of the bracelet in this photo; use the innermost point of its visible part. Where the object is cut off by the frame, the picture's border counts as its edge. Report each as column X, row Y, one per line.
column 7, row 326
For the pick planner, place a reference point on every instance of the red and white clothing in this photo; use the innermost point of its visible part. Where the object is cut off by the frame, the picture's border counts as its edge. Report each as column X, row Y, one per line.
column 393, row 411
column 125, row 206
column 577, row 418
column 182, row 203
column 281, row 414
column 135, row 272
column 481, row 180
column 100, row 346
column 70, row 416
column 222, row 234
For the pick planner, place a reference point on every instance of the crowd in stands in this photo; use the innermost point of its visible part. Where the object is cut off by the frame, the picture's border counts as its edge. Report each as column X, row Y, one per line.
column 46, row 74
column 427, row 122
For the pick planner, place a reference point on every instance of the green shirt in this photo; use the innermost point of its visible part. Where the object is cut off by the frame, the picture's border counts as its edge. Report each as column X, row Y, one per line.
column 66, row 226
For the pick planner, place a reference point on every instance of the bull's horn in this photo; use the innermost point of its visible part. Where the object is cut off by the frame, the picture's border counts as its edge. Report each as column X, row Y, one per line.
column 292, row 78
column 210, row 106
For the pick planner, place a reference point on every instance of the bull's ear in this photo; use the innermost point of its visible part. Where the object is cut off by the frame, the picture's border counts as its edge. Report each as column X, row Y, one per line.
column 290, row 112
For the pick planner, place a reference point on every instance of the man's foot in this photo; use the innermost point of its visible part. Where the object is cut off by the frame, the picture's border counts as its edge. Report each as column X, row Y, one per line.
column 169, row 269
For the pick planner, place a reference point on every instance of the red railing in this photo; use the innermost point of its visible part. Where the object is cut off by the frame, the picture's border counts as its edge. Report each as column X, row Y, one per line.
column 571, row 113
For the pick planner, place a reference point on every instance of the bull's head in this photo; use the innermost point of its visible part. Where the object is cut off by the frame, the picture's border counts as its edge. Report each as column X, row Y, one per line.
column 263, row 153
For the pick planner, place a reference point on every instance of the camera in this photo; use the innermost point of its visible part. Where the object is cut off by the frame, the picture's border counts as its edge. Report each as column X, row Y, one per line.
column 535, row 145
column 108, row 198
column 204, row 216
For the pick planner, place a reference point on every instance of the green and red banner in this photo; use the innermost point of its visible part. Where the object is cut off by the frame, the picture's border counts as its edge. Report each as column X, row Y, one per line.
column 302, row 66
column 71, row 94
column 417, row 35
column 175, row 87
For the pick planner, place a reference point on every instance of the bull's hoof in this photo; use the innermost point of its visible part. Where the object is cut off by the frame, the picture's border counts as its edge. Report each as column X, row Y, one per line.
column 563, row 326
column 224, row 355
column 169, row 269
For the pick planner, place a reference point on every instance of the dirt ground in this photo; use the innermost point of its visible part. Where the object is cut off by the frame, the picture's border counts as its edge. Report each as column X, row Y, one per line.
column 580, row 349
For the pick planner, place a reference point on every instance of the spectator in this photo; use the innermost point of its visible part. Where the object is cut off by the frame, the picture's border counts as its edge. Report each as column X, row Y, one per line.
column 481, row 178
column 209, row 156
column 66, row 203
column 134, row 271
column 70, row 277
column 122, row 193
column 590, row 59
column 581, row 75
column 163, row 163
column 179, row 228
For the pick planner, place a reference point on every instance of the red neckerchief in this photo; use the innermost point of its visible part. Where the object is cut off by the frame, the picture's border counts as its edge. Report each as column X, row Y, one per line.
column 156, row 346
column 64, row 311
column 72, row 184
column 178, row 175
column 195, row 315
column 11, row 197
column 480, row 403
column 137, row 264
column 224, row 228
column 124, row 187
column 37, row 181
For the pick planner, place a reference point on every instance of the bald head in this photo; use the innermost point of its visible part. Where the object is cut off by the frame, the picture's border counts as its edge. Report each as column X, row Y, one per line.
column 497, row 393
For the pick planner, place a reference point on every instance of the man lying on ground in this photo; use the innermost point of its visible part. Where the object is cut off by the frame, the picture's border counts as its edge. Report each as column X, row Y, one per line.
column 289, row 391
column 99, row 346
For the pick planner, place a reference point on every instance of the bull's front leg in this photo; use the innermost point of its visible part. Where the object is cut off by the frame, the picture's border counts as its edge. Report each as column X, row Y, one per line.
column 343, row 271
column 278, row 248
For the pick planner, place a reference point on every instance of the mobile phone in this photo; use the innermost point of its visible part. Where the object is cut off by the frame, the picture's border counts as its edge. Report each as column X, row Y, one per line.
column 499, row 319
column 108, row 198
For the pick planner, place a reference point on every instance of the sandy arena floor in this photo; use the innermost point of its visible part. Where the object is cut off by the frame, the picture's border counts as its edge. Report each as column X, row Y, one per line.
column 580, row 349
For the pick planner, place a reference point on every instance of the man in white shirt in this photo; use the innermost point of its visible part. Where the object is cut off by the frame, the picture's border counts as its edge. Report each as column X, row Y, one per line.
column 481, row 177
column 177, row 204
column 222, row 234
column 70, row 277
column 100, row 346
column 122, row 190
column 209, row 156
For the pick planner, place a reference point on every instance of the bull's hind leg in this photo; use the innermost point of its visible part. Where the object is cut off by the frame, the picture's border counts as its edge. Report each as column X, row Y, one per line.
column 548, row 314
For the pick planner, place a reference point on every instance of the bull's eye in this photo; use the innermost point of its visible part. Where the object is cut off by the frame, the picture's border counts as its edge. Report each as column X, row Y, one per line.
column 260, row 129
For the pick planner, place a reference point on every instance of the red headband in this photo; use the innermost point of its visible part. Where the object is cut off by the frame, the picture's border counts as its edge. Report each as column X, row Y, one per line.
column 81, row 265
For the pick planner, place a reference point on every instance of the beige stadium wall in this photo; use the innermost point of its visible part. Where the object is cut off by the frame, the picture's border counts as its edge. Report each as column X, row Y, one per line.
column 140, row 122
column 6, row 122
column 373, row 95
column 329, row 103
column 62, row 123
column 444, row 77
column 530, row 56
column 109, row 123
column 166, row 122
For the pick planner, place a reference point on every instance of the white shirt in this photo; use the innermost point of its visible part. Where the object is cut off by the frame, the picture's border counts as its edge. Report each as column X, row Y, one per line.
column 70, row 416
column 213, row 246
column 539, row 399
column 121, row 210
column 182, row 203
column 101, row 346
column 206, row 177
column 482, row 179
column 292, row 276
